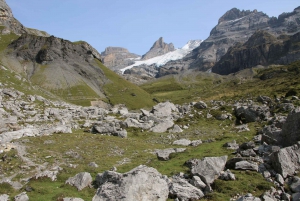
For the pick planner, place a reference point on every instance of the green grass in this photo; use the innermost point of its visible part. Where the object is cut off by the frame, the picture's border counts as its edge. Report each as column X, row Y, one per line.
column 120, row 91
column 5, row 40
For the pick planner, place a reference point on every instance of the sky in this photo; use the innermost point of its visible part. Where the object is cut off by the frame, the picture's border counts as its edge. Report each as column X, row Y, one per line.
column 134, row 24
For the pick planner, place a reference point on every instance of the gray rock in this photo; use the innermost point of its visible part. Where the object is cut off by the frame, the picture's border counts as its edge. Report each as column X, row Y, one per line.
column 286, row 161
column 145, row 112
column 182, row 142
column 242, row 128
column 164, row 154
column 200, row 105
column 198, row 183
column 248, row 153
column 136, row 124
column 231, row 145
column 227, row 175
column 245, row 165
column 175, row 129
column 248, row 197
column 286, row 197
column 80, row 180
column 252, row 113
column 195, row 143
column 295, row 184
column 162, row 126
column 73, row 199
column 247, row 145
column 9, row 136
column 52, row 174
column 181, row 189
column 4, row 197
column 141, row 183
column 279, row 179
column 163, row 109
column 123, row 111
column 209, row 168
column 291, row 130
column 296, row 196
column 93, row 164
column 22, row 197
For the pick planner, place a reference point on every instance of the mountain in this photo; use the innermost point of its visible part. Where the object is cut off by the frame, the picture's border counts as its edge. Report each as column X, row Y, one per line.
column 71, row 71
column 158, row 48
column 262, row 48
column 151, row 67
column 235, row 26
column 11, row 24
column 116, row 58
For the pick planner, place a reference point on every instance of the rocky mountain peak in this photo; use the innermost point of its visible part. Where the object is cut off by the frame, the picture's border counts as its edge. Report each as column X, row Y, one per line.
column 234, row 14
column 158, row 48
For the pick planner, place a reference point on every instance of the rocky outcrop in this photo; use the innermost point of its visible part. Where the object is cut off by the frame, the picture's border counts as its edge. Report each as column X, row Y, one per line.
column 262, row 48
column 141, row 183
column 158, row 48
column 116, row 58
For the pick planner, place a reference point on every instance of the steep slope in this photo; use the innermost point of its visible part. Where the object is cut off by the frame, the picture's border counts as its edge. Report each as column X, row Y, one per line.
column 116, row 58
column 262, row 48
column 159, row 48
column 236, row 26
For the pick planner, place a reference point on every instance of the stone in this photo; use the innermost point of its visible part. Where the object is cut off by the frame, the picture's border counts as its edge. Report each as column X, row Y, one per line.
column 163, row 109
column 52, row 174
column 286, row 161
column 141, row 183
column 162, row 126
column 73, row 199
column 145, row 112
column 248, row 197
column 245, row 165
column 182, row 142
column 123, row 111
column 200, row 105
column 22, row 197
column 242, row 128
column 4, row 197
column 80, row 180
column 176, row 129
column 286, row 197
column 231, row 145
column 295, row 184
column 9, row 136
column 181, row 189
column 279, row 179
column 227, row 175
column 164, row 154
column 252, row 113
column 247, row 145
column 291, row 129
column 93, row 164
column 195, row 143
column 209, row 168
column 248, row 153
column 136, row 124
column 198, row 183
column 296, row 196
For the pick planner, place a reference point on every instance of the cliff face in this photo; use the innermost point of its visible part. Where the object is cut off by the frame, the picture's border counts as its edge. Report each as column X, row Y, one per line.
column 158, row 48
column 262, row 48
column 237, row 26
column 116, row 58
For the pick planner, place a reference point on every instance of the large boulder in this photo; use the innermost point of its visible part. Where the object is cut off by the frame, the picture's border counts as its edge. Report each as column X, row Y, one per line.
column 245, row 165
column 200, row 105
column 286, row 161
column 4, row 197
column 130, row 122
column 163, row 109
column 163, row 126
column 291, row 129
column 141, row 183
column 252, row 113
column 183, row 190
column 209, row 168
column 80, row 180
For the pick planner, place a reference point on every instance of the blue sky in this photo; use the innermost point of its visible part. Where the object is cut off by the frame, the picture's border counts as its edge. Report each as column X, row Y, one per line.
column 134, row 24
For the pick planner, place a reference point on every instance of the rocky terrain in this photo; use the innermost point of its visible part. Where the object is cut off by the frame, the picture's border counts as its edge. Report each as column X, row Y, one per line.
column 116, row 58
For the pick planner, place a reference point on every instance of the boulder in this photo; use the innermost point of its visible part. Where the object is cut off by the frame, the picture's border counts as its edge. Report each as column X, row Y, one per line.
column 80, row 180
column 227, row 175
column 296, row 196
column 175, row 129
column 245, row 165
column 22, row 197
column 200, row 105
column 162, row 126
column 248, row 197
column 163, row 109
column 209, row 168
column 182, row 142
column 136, row 124
column 4, row 197
column 198, row 183
column 141, row 183
column 52, row 174
column 253, row 113
column 195, row 143
column 9, row 136
column 286, row 161
column 231, row 145
column 165, row 153
column 295, row 184
column 291, row 130
column 181, row 189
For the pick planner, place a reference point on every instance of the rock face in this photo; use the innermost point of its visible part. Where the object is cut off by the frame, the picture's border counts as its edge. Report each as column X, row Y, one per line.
column 63, row 61
column 141, row 183
column 116, row 58
column 262, row 48
column 13, row 25
column 158, row 48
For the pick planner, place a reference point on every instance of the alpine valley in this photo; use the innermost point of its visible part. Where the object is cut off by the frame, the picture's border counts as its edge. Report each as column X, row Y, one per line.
column 218, row 119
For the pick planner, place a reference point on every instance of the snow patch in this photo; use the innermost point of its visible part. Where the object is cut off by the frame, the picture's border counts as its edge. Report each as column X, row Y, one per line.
column 170, row 56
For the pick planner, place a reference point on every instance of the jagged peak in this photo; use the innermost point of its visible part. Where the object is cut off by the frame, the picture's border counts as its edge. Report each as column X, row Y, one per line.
column 235, row 13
